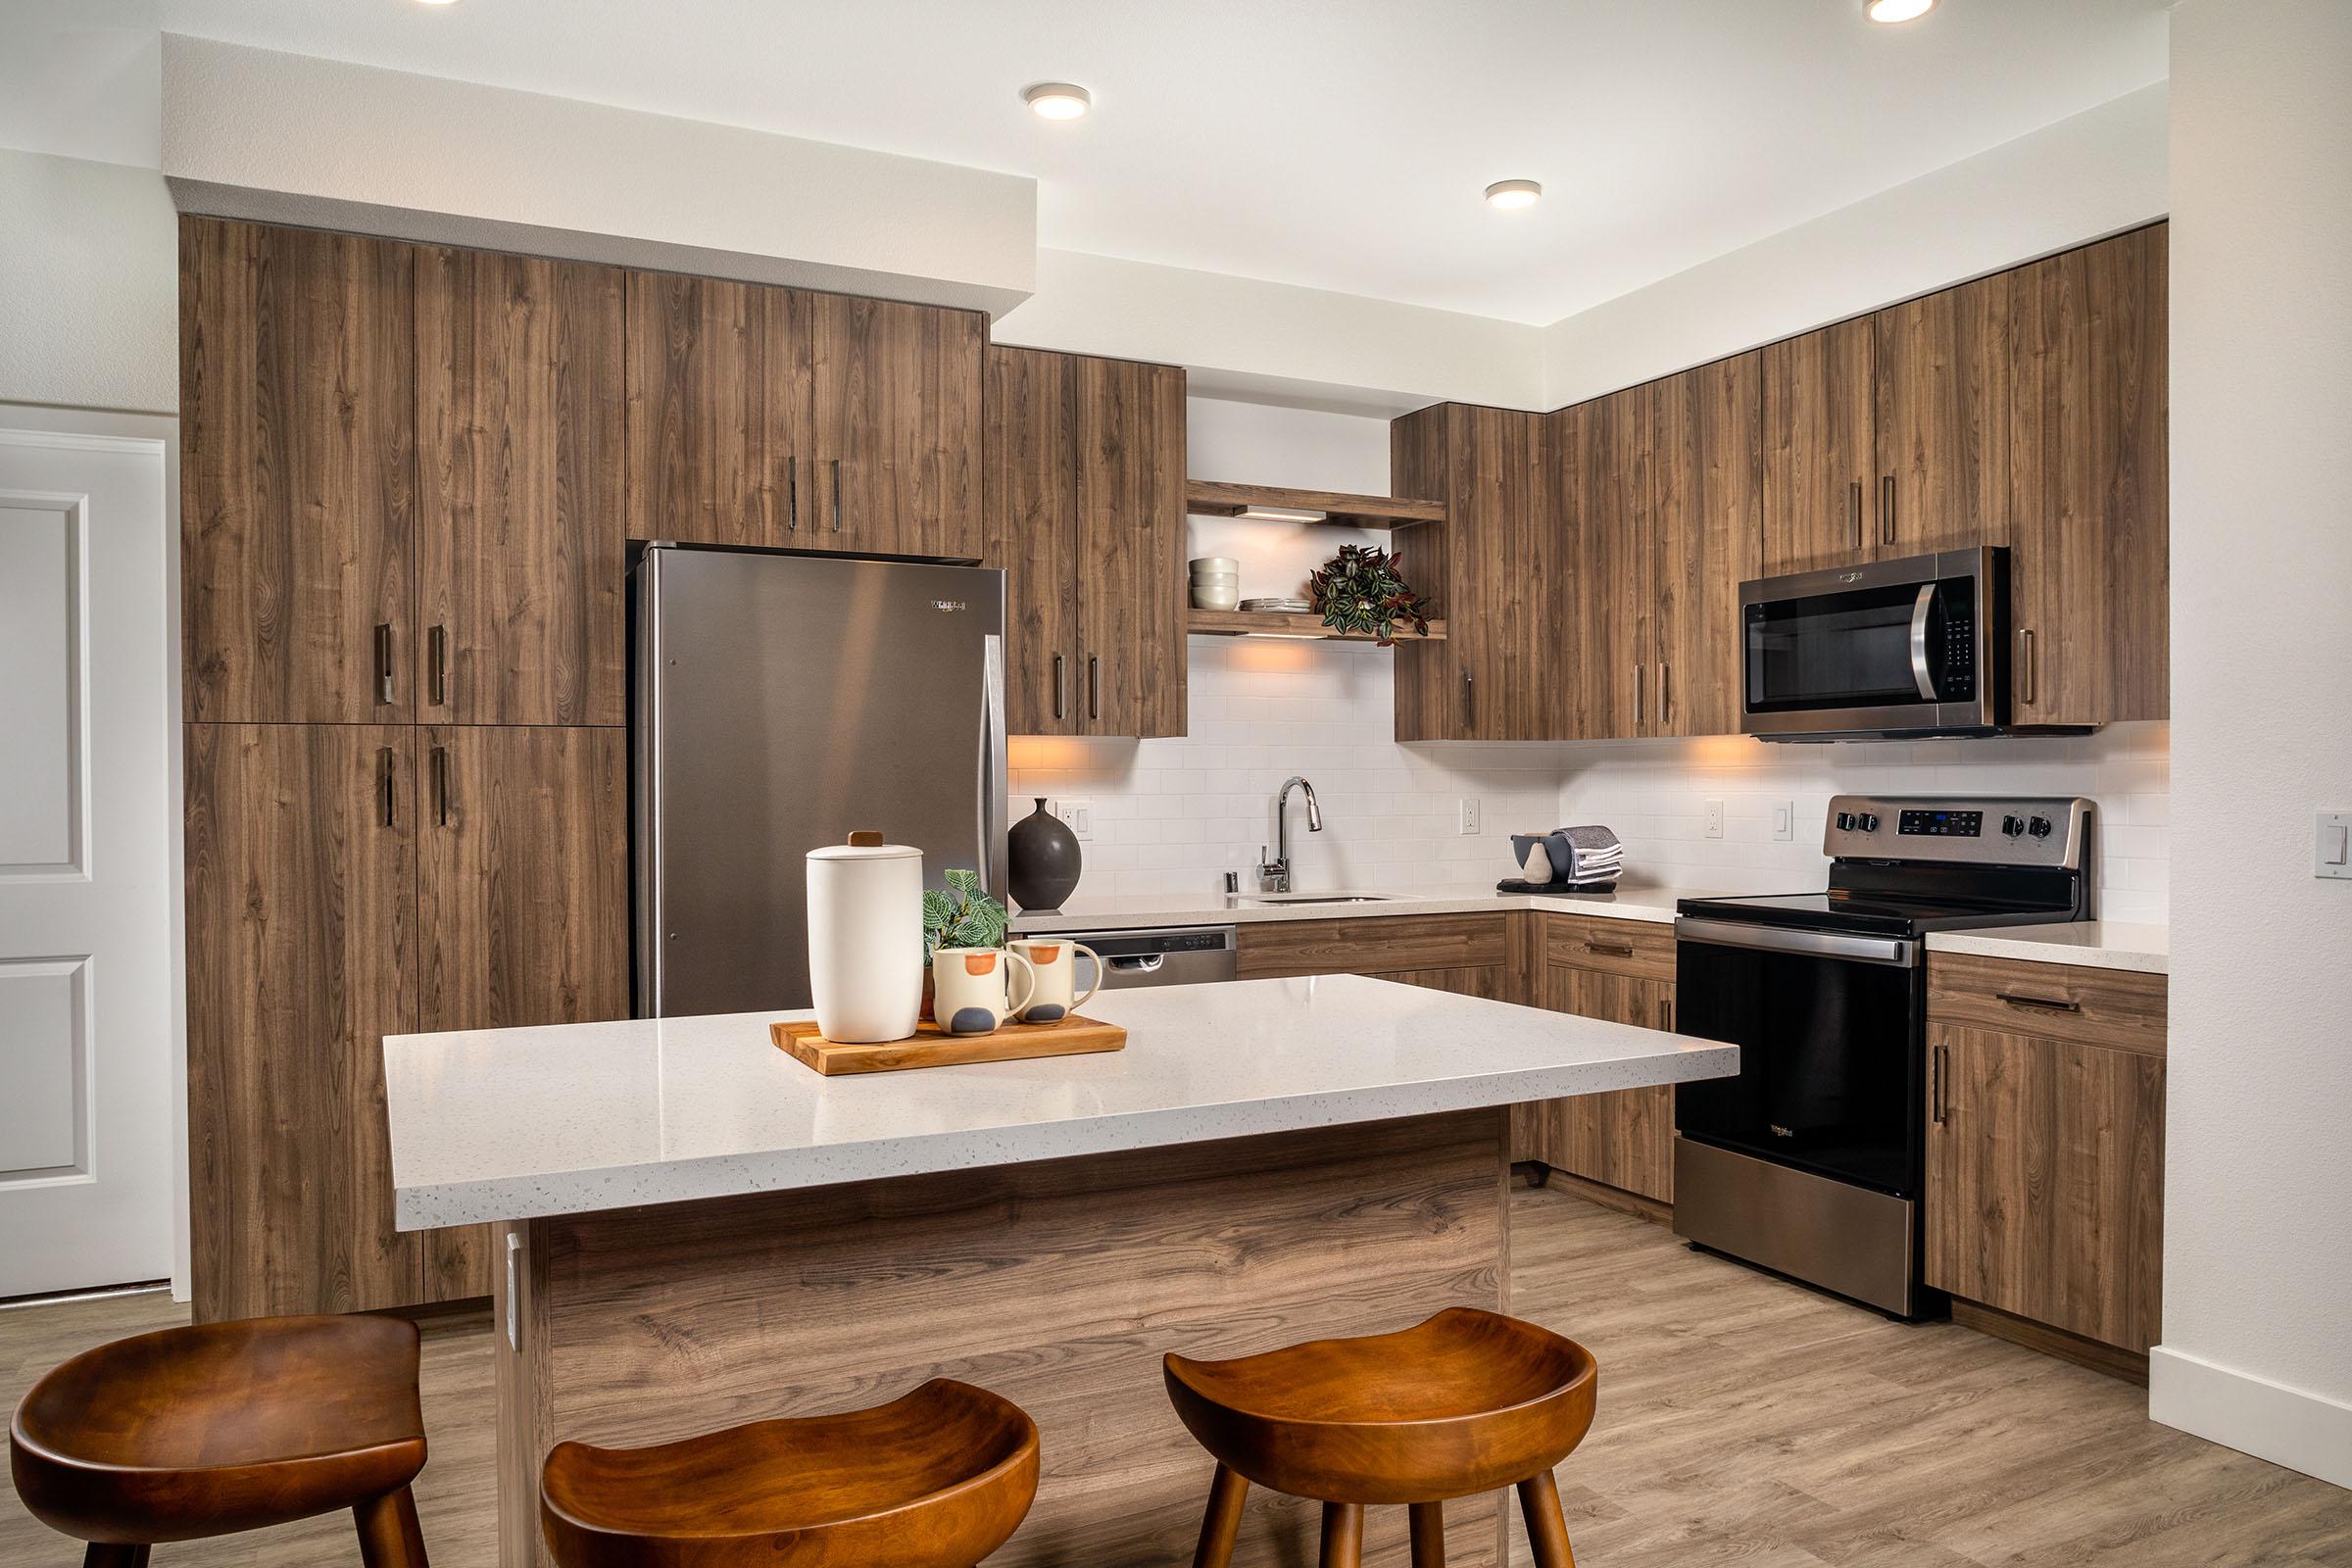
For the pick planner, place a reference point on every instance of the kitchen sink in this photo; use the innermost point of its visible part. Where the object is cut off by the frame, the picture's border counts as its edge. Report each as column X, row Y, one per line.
column 1321, row 898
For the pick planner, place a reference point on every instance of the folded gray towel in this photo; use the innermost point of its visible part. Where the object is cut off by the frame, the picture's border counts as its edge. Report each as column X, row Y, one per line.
column 1568, row 855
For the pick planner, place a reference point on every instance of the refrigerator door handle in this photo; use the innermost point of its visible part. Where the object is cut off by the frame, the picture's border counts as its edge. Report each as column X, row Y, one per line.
column 992, row 765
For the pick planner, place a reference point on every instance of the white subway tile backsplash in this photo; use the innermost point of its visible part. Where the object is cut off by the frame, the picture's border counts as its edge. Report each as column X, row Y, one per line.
column 1172, row 815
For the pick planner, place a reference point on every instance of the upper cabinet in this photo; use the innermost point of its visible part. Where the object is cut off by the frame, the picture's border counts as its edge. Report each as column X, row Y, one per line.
column 1945, row 416
column 1085, row 511
column 767, row 416
column 297, row 425
column 520, row 532
column 1821, row 501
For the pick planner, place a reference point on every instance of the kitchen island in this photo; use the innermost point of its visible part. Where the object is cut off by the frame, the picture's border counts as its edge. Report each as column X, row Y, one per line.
column 695, row 1230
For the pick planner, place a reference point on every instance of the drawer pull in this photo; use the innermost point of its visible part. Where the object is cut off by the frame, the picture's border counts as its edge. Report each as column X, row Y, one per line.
column 1937, row 1061
column 1610, row 948
column 2046, row 1003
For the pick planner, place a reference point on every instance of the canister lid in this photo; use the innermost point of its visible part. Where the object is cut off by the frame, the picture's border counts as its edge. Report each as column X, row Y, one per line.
column 866, row 847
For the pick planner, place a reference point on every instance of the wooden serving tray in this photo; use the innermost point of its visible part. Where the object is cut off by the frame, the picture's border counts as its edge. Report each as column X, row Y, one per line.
column 930, row 1046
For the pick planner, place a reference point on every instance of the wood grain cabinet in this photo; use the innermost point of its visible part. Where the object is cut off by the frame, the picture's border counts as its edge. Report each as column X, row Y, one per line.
column 1469, row 954
column 1085, row 465
column 1819, row 493
column 777, row 416
column 2046, row 1146
column 1623, row 971
column 301, row 957
column 298, row 497
column 521, row 528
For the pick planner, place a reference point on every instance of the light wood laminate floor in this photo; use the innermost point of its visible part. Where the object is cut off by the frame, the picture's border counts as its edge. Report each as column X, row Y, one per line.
column 1743, row 1420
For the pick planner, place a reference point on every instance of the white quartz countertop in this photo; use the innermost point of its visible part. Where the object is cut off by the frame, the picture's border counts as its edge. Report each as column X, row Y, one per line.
column 492, row 1124
column 1082, row 915
column 2092, row 944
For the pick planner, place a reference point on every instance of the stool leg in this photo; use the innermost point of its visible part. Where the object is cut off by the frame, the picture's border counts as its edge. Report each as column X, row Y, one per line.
column 1343, row 1535
column 1546, row 1530
column 105, row 1554
column 1429, row 1535
column 389, row 1535
column 1223, row 1521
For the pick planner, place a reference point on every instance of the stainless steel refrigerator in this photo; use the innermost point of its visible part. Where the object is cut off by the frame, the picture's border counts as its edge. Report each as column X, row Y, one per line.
column 781, row 701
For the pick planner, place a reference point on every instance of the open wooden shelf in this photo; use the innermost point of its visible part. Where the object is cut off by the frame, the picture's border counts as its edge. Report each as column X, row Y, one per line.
column 1210, row 498
column 1277, row 623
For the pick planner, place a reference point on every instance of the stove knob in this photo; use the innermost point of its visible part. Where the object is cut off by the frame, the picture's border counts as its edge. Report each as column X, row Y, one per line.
column 1866, row 822
column 1845, row 821
column 2013, row 826
column 2039, row 827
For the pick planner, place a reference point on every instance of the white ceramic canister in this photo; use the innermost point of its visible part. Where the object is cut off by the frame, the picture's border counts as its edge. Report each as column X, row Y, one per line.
column 866, row 939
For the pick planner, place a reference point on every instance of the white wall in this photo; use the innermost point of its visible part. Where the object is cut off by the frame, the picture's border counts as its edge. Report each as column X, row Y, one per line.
column 2257, row 1347
column 89, row 285
column 2091, row 174
column 289, row 139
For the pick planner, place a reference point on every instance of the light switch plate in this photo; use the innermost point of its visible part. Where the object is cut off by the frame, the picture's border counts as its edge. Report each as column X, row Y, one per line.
column 1078, row 816
column 1714, row 820
column 2332, row 846
column 1468, row 806
column 1784, row 822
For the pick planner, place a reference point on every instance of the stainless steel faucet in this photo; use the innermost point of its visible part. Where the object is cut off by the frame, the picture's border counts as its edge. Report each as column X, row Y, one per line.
column 1274, row 876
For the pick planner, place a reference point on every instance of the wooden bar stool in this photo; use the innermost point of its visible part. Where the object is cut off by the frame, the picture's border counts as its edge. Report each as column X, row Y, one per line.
column 937, row 1477
column 225, row 1427
column 1468, row 1401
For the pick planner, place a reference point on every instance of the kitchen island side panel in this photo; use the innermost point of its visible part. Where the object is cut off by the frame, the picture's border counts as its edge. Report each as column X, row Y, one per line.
column 1058, row 1283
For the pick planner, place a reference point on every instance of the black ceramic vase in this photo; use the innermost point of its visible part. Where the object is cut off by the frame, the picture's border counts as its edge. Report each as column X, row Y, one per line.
column 1042, row 859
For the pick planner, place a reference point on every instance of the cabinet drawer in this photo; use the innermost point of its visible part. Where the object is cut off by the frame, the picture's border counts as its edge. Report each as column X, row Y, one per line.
column 2119, row 1009
column 1636, row 947
column 1377, row 944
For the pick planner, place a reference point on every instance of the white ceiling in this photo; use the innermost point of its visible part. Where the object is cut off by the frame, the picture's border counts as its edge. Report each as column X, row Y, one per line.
column 1337, row 143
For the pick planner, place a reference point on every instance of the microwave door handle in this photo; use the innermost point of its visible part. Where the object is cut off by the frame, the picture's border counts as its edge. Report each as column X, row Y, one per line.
column 1920, row 674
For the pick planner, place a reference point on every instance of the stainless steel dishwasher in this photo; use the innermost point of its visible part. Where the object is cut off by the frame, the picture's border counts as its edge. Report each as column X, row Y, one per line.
column 1163, row 956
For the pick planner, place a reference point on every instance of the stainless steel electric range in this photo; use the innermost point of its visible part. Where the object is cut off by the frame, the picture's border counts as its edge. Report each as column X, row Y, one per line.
column 1809, row 1162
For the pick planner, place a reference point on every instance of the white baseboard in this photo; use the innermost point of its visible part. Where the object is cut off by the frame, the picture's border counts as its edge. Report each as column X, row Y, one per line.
column 2293, row 1427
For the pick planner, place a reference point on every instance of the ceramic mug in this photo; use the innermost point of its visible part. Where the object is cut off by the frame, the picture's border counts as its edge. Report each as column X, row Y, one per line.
column 971, row 988
column 1054, row 961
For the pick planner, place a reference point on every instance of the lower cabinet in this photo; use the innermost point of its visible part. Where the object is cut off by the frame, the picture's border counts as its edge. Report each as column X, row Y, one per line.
column 1469, row 953
column 1622, row 971
column 345, row 882
column 2045, row 1145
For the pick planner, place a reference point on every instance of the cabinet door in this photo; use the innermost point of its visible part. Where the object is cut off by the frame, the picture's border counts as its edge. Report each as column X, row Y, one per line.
column 1434, row 695
column 1611, row 518
column 2046, row 1181
column 298, row 525
column 1944, row 414
column 1506, row 551
column 301, row 887
column 897, row 443
column 1623, row 1139
column 521, row 528
column 522, row 903
column 1031, row 505
column 1706, row 451
column 719, row 420
column 2089, row 520
column 1484, row 980
column 1131, row 580
column 1821, row 503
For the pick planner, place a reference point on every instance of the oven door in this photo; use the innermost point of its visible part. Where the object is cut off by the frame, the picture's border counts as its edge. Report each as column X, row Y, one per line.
column 1893, row 646
column 1830, row 1031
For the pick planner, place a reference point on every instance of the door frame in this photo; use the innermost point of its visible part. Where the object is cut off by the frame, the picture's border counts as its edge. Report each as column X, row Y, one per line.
column 163, row 428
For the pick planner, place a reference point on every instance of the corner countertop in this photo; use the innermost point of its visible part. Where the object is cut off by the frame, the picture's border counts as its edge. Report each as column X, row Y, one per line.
column 1082, row 915
column 2089, row 944
column 496, row 1124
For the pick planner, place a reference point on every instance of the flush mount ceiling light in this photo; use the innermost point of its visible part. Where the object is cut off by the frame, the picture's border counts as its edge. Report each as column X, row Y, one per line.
column 1896, row 10
column 1512, row 194
column 1057, row 100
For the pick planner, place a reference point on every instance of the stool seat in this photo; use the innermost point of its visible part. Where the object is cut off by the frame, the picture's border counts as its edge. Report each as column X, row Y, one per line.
column 1465, row 1403
column 937, row 1477
column 222, row 1427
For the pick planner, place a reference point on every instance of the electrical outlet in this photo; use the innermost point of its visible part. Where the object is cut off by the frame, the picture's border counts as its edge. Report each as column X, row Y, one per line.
column 1078, row 816
column 1469, row 811
column 1784, row 822
column 1714, row 820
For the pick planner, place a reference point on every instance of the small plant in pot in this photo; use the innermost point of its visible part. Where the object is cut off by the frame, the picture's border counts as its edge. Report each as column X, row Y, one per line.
column 1359, row 590
column 959, row 915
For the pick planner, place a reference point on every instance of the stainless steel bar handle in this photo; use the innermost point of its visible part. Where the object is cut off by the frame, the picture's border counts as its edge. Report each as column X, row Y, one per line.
column 837, row 495
column 1665, row 692
column 1094, row 686
column 992, row 764
column 1853, row 511
column 792, row 494
column 2029, row 681
column 1061, row 685
column 1886, row 508
column 1893, row 951
column 513, row 1290
column 1469, row 700
column 441, row 785
column 2046, row 1003
column 383, row 661
column 437, row 667
column 1666, row 1013
column 1610, row 948
column 1935, row 1063
column 1639, row 671
column 383, row 784
column 1920, row 676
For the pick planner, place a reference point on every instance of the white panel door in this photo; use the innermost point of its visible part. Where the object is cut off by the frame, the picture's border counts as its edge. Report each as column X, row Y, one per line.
column 87, row 1053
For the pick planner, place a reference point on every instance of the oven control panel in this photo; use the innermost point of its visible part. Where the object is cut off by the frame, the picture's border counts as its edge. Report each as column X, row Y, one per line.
column 1971, row 830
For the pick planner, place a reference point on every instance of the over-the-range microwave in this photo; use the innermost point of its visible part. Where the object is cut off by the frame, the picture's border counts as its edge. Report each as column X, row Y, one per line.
column 1887, row 649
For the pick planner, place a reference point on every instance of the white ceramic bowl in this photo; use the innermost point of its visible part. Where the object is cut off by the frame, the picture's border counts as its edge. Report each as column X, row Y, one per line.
column 1216, row 579
column 1215, row 598
column 1215, row 565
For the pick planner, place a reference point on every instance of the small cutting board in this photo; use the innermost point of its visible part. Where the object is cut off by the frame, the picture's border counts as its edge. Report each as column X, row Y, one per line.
column 930, row 1046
